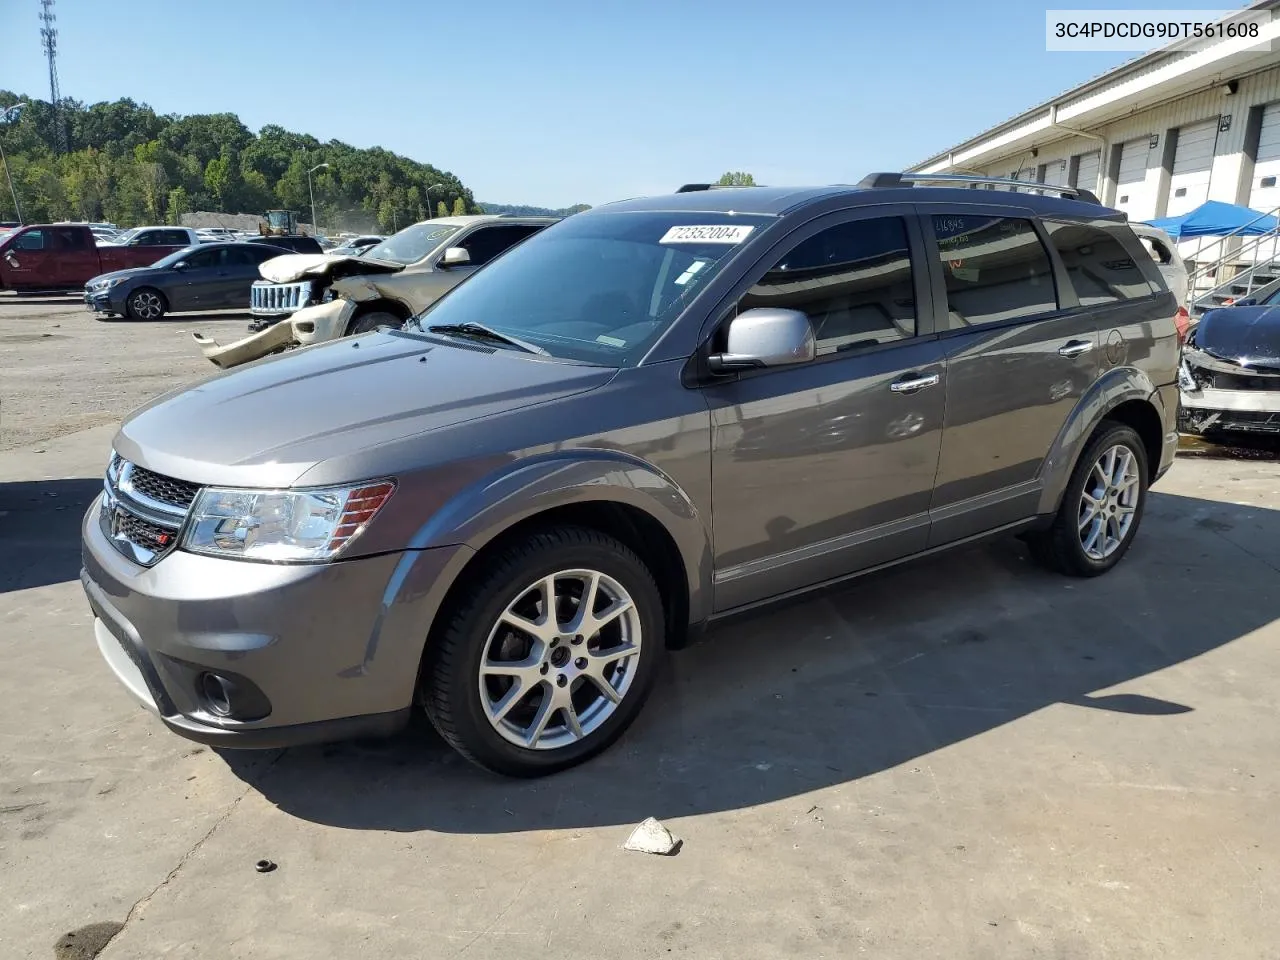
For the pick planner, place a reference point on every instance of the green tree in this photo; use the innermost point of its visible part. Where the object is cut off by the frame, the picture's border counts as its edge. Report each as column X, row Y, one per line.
column 179, row 203
column 217, row 179
column 459, row 207
column 736, row 178
column 441, row 209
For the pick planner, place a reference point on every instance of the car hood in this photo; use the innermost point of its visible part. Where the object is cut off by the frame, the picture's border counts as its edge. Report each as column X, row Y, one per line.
column 1249, row 336
column 269, row 422
column 126, row 274
column 296, row 266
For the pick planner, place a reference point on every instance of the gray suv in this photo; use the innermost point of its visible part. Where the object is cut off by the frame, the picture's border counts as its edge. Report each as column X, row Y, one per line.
column 644, row 418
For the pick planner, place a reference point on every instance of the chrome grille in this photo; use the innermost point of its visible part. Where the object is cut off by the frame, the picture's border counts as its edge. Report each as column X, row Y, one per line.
column 178, row 493
column 272, row 299
column 142, row 512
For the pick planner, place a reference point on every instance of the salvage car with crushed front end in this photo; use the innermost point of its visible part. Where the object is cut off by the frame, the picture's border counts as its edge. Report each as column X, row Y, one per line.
column 303, row 300
column 1230, row 376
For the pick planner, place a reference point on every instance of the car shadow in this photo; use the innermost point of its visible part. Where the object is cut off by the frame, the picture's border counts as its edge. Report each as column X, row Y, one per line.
column 169, row 319
column 839, row 686
column 40, row 530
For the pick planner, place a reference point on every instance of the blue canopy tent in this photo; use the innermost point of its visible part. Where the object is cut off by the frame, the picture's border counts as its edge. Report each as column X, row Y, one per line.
column 1216, row 219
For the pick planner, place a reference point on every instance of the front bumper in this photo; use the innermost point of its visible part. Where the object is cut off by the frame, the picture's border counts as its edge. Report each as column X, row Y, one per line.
column 317, row 652
column 105, row 301
column 324, row 321
column 1206, row 411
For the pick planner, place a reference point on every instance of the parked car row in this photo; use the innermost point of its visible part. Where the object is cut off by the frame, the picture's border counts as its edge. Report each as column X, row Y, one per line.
column 628, row 425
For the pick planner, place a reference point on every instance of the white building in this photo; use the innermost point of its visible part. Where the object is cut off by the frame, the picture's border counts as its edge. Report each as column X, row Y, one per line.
column 1154, row 137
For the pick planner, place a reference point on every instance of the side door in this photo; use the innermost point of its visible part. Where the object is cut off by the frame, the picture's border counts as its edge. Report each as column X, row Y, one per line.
column 76, row 255
column 239, row 273
column 196, row 285
column 825, row 468
column 1020, row 350
column 30, row 260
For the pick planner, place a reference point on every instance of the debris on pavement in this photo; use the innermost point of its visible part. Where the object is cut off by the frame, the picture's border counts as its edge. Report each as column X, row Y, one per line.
column 652, row 837
column 264, row 866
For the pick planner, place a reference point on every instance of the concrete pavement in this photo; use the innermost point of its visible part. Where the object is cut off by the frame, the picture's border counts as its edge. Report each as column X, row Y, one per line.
column 965, row 757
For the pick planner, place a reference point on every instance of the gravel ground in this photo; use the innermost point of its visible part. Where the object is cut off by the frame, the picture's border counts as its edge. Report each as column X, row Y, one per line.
column 48, row 343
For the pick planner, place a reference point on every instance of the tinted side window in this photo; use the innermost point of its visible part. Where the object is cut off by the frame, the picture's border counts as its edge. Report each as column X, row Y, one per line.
column 70, row 239
column 1100, row 268
column 31, row 240
column 854, row 282
column 203, row 259
column 487, row 242
column 174, row 238
column 996, row 269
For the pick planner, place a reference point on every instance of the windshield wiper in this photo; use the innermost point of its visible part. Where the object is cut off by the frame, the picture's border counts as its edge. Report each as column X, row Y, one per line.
column 480, row 332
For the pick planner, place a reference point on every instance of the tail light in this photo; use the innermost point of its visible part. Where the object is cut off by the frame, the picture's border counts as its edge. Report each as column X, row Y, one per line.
column 1182, row 321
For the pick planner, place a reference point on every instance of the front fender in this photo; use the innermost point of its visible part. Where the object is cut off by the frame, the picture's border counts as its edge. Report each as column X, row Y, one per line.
column 480, row 512
column 1116, row 386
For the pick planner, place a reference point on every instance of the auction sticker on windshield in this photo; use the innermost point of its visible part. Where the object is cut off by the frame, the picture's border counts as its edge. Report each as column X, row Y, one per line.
column 713, row 233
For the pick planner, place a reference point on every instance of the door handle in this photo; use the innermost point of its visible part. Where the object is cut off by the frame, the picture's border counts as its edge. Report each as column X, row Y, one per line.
column 912, row 384
column 1074, row 348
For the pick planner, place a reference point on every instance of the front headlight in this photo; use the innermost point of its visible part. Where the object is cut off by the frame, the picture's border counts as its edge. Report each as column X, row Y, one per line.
column 106, row 284
column 282, row 526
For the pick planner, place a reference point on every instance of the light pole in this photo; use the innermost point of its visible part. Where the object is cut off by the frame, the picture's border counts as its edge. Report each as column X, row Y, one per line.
column 434, row 186
column 10, row 116
column 315, row 228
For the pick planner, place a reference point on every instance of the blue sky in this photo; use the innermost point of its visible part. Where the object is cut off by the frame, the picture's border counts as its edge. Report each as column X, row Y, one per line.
column 556, row 102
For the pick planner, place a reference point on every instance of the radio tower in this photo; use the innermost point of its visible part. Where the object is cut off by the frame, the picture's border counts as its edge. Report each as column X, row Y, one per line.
column 49, row 37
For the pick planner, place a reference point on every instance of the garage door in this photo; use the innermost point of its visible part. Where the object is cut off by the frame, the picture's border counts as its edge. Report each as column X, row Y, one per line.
column 1132, row 194
column 1264, row 194
column 1055, row 172
column 1087, row 171
column 1192, row 160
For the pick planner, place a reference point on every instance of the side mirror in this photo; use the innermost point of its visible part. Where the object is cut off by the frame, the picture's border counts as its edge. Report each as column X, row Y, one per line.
column 181, row 265
column 766, row 337
column 455, row 257
column 1246, row 302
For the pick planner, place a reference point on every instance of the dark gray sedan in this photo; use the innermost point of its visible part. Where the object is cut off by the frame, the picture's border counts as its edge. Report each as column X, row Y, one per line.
column 208, row 276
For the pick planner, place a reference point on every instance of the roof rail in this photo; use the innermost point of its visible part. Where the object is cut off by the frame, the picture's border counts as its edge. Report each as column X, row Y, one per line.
column 693, row 187
column 879, row 181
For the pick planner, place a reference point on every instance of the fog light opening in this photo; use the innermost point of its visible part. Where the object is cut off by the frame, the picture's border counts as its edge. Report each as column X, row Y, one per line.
column 217, row 694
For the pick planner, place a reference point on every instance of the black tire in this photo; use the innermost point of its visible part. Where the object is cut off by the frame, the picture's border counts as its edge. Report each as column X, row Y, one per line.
column 146, row 303
column 449, row 686
column 368, row 322
column 1060, row 547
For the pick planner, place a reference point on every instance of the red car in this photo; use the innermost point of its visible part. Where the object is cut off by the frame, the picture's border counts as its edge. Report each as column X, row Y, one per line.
column 66, row 256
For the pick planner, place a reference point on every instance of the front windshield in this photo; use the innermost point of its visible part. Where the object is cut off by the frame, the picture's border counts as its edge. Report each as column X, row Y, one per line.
column 598, row 288
column 126, row 236
column 412, row 243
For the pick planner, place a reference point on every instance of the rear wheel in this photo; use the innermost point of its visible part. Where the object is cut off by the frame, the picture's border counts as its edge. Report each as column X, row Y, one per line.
column 146, row 304
column 368, row 322
column 550, row 656
column 1101, row 508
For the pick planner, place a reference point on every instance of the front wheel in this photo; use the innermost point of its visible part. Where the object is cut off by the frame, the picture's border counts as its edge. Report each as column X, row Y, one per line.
column 1101, row 508
column 146, row 304
column 369, row 322
column 549, row 657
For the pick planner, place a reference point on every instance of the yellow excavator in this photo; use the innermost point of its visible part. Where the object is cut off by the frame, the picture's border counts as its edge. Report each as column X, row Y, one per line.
column 280, row 223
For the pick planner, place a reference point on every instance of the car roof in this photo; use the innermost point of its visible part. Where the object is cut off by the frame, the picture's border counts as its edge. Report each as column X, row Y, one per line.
column 484, row 218
column 776, row 201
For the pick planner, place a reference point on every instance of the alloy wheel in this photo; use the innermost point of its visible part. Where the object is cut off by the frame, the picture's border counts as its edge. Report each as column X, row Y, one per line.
column 1108, row 502
column 560, row 659
column 146, row 305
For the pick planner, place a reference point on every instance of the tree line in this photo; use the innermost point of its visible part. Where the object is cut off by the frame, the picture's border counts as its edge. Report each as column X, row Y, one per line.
column 128, row 165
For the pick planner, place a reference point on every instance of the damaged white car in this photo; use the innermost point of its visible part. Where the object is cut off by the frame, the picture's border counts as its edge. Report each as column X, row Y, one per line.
column 1230, row 375
column 310, row 298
